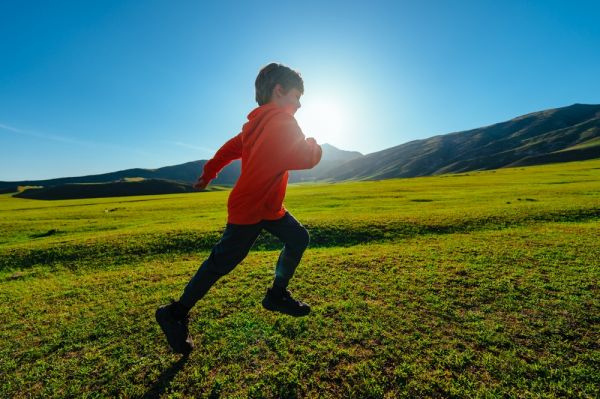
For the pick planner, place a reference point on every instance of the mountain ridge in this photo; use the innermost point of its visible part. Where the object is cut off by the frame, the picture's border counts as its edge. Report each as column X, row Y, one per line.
column 552, row 135
column 490, row 147
column 187, row 172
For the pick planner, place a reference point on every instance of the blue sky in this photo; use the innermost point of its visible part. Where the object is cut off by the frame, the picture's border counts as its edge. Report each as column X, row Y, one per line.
column 90, row 87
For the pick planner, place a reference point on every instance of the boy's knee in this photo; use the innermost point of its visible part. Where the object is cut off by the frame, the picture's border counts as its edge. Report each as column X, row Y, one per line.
column 223, row 265
column 301, row 241
column 305, row 238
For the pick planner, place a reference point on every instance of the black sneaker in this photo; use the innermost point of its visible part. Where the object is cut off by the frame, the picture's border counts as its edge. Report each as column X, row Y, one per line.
column 177, row 333
column 284, row 303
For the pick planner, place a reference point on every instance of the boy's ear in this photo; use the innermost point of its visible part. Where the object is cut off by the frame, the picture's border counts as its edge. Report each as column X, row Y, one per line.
column 278, row 90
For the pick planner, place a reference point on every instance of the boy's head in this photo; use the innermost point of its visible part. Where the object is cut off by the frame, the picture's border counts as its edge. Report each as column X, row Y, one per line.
column 280, row 84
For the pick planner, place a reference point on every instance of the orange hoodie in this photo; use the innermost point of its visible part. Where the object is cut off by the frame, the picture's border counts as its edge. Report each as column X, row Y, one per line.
column 270, row 144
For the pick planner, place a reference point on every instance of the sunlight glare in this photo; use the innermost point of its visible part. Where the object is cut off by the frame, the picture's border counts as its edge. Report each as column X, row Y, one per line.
column 324, row 119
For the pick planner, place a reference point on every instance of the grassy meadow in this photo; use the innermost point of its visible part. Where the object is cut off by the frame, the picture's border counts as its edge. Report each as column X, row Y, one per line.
column 482, row 284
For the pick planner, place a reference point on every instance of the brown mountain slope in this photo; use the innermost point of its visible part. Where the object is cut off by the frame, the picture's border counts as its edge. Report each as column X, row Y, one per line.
column 540, row 137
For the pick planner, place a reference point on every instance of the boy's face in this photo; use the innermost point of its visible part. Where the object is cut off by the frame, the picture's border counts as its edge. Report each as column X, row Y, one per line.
column 290, row 101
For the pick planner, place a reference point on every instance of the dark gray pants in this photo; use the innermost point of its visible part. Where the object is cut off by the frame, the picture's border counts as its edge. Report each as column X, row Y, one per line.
column 235, row 245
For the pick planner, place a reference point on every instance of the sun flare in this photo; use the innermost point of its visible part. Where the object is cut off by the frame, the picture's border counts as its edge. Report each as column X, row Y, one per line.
column 324, row 119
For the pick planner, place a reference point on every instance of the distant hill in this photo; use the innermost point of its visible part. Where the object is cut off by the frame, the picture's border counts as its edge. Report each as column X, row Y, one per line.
column 99, row 190
column 183, row 173
column 186, row 173
column 555, row 135
column 332, row 158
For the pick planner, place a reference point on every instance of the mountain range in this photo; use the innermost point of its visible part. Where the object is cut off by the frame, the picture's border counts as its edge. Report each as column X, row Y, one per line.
column 554, row 135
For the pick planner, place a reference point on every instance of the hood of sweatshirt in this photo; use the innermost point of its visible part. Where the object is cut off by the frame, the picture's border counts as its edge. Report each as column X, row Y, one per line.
column 257, row 119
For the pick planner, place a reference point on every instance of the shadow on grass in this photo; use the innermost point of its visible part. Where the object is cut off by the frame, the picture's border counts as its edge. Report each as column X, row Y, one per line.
column 163, row 382
column 75, row 255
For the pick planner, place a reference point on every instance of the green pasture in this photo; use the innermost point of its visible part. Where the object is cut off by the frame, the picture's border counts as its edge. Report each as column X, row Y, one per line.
column 482, row 284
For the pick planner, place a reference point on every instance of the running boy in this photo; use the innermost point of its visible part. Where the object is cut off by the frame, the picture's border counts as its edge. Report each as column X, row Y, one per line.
column 270, row 144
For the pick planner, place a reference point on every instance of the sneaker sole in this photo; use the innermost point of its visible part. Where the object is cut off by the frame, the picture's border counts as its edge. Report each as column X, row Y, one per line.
column 274, row 308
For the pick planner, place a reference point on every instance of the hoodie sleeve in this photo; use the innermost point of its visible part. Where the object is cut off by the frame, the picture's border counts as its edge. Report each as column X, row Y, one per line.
column 292, row 151
column 230, row 151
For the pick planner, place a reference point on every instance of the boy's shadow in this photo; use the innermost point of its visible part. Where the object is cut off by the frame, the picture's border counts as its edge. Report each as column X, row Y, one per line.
column 165, row 379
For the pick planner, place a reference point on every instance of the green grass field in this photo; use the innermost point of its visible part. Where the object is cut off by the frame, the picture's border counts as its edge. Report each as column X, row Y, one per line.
column 483, row 284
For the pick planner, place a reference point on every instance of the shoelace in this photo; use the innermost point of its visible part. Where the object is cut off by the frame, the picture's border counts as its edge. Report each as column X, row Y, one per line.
column 287, row 296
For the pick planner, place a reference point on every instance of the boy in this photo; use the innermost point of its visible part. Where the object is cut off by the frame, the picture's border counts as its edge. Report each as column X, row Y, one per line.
column 270, row 144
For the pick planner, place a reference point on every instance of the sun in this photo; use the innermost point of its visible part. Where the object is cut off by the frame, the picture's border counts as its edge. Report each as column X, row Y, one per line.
column 324, row 119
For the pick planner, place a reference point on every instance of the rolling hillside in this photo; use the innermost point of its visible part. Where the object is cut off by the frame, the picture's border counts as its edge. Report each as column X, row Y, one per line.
column 187, row 173
column 555, row 135
column 103, row 190
column 470, row 285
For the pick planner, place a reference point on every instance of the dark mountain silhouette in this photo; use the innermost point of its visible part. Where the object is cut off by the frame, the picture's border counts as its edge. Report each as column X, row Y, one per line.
column 186, row 173
column 555, row 135
column 99, row 190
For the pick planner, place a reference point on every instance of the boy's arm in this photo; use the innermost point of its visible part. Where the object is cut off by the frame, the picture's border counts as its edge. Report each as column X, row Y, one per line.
column 230, row 151
column 295, row 152
column 306, row 154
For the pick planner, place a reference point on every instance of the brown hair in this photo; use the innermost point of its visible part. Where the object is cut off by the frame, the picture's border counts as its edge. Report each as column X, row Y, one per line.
column 272, row 74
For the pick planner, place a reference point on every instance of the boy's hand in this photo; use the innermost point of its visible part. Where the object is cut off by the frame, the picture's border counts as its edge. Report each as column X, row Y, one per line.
column 200, row 184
